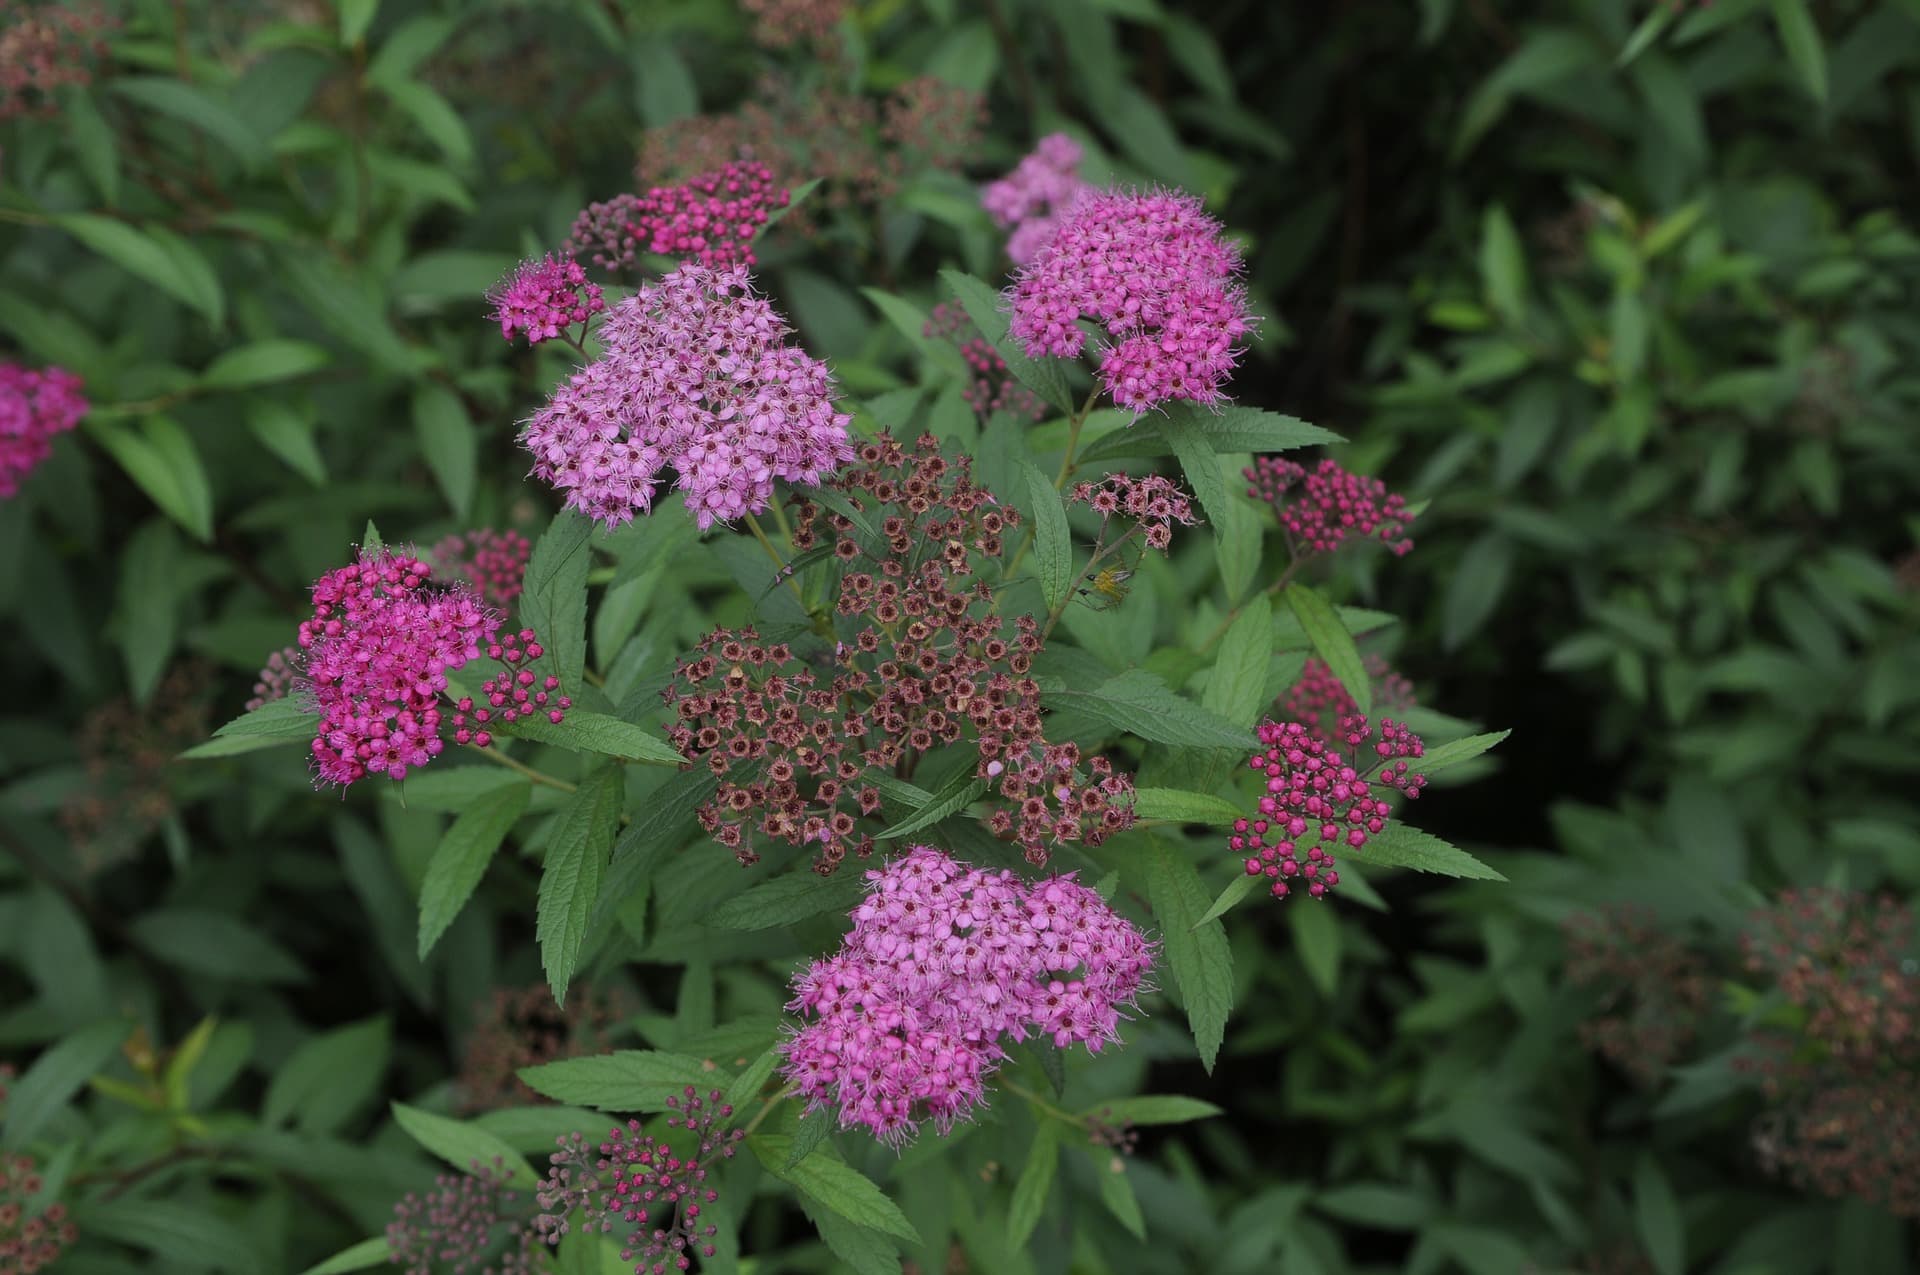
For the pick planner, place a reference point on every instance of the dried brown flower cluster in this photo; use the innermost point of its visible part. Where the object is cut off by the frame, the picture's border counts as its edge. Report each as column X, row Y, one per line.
column 1653, row 989
column 522, row 1027
column 782, row 24
column 44, row 47
column 924, row 662
column 33, row 1233
column 126, row 752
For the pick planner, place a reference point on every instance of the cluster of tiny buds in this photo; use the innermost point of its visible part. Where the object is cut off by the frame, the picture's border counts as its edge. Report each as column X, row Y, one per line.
column 1331, row 506
column 544, row 297
column 1154, row 502
column 641, row 1182
column 512, row 693
column 493, row 562
column 33, row 1234
column 991, row 388
column 1320, row 701
column 275, row 677
column 710, row 218
column 45, row 47
column 1119, row 1135
column 1314, row 789
column 465, row 1224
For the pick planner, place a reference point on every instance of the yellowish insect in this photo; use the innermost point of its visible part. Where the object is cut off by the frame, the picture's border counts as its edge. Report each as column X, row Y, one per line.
column 1108, row 588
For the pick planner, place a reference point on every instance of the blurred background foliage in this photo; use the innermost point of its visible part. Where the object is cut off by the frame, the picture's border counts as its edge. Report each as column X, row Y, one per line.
column 1622, row 288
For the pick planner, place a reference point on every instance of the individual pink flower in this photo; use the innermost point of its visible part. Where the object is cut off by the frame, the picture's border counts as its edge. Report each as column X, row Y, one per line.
column 1030, row 199
column 1328, row 795
column 34, row 406
column 1330, row 506
column 1154, row 271
column 493, row 562
column 543, row 297
column 904, row 1023
column 697, row 377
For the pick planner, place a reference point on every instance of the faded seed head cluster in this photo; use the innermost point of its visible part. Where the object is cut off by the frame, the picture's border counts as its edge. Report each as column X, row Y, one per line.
column 1030, row 199
column 904, row 1023
column 1332, row 505
column 697, row 376
column 34, row 406
column 44, row 47
column 523, row 1027
column 781, row 24
column 1154, row 503
column 1653, row 988
column 127, row 753
column 33, row 1232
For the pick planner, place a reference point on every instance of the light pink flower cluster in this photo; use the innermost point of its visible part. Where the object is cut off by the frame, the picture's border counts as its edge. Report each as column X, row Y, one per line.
column 34, row 406
column 1325, row 791
column 905, row 1021
column 1154, row 271
column 1031, row 198
column 711, row 218
column 493, row 562
column 1319, row 701
column 543, row 297
column 376, row 656
column 991, row 388
column 698, row 376
column 1154, row 502
column 1331, row 505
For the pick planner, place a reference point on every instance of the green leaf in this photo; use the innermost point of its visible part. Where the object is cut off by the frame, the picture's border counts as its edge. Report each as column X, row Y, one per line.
column 1176, row 806
column 363, row 1256
column 1191, row 449
column 370, row 541
column 1332, row 642
column 747, row 1085
column 586, row 731
column 1455, row 751
column 861, row 1249
column 436, row 119
column 174, row 1230
column 1656, row 1216
column 570, row 877
column 1036, row 1182
column 1317, row 941
column 94, row 144
column 160, row 457
column 280, row 721
column 665, row 88
column 461, row 858
column 1154, row 1109
column 329, row 1076
column 1139, row 702
column 1503, row 265
column 464, row 1145
column 149, row 604
column 1230, row 430
column 143, row 255
column 624, row 1080
column 216, row 944
column 55, row 1077
column 447, row 442
column 1657, row 20
column 261, row 363
column 555, row 601
column 1475, row 588
column 954, row 796
column 198, row 109
column 838, row 1185
column 1197, row 951
column 355, row 17
column 1233, row 896
column 1116, row 1192
column 786, row 899
column 1237, row 688
column 911, row 322
column 1045, row 377
column 808, row 1134
column 1052, row 540
column 1401, row 846
column 288, row 434
column 1793, row 19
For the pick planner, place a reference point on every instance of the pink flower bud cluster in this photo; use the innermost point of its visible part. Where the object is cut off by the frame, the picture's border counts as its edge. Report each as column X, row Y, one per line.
column 543, row 297
column 1154, row 502
column 493, row 562
column 45, row 47
column 642, row 1182
column 904, row 1023
column 1154, row 271
column 276, row 677
column 34, row 406
column 1653, row 990
column 511, row 694
column 711, row 218
column 376, row 657
column 1031, row 198
column 781, row 24
column 1321, row 703
column 467, row 1223
column 697, row 376
column 1332, row 505
column 1327, row 792
column 991, row 389
column 33, row 1234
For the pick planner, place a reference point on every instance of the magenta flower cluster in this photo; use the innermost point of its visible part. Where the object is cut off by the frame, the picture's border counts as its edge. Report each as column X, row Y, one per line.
column 697, row 376
column 1030, row 199
column 543, row 297
column 711, row 219
column 1321, row 790
column 1319, row 701
column 905, row 1021
column 1154, row 271
column 1331, row 505
column 375, row 658
column 34, row 406
column 493, row 562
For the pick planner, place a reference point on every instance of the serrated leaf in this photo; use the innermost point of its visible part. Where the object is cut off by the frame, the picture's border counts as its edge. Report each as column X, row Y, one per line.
column 1044, row 377
column 577, row 851
column 1229, row 430
column 463, row 1145
column 1401, row 846
column 586, row 731
column 1237, row 688
column 1332, row 642
column 1455, row 751
column 1232, row 897
column 747, row 1085
column 1052, row 539
column 450, row 446
column 160, row 458
column 838, row 1185
column 955, row 795
column 363, row 1256
column 1140, row 702
column 786, row 899
column 1177, row 806
column 55, row 1077
column 624, row 1080
column 327, row 1077
column 1154, row 1109
column 1196, row 456
column 862, row 1250
column 554, row 603
column 808, row 1134
column 1196, row 951
column 1036, row 1182
column 461, row 858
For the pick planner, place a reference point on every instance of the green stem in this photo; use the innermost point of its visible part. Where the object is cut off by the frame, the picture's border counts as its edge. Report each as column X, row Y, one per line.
column 766, row 1109
column 1074, row 425
column 779, row 563
column 1036, row 1100
column 537, row 776
column 1226, row 622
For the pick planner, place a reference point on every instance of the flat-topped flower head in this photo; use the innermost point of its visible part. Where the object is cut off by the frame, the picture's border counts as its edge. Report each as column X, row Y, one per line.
column 697, row 378
column 35, row 405
column 543, row 297
column 1323, row 507
column 710, row 218
column 904, row 1024
column 1158, row 275
column 1030, row 199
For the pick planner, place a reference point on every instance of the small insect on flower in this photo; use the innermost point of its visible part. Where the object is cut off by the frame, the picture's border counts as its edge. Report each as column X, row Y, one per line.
column 1108, row 588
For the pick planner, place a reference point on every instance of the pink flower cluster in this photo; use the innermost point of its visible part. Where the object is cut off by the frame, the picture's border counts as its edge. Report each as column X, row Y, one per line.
column 276, row 677
column 543, row 297
column 1319, row 701
column 33, row 1232
column 1154, row 502
column 991, row 388
column 1332, row 504
column 44, row 48
column 697, row 375
column 377, row 653
column 712, row 218
column 1154, row 271
column 905, row 1020
column 1031, row 198
column 34, row 406
column 466, row 1223
column 1317, row 789
column 493, row 562
column 511, row 694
